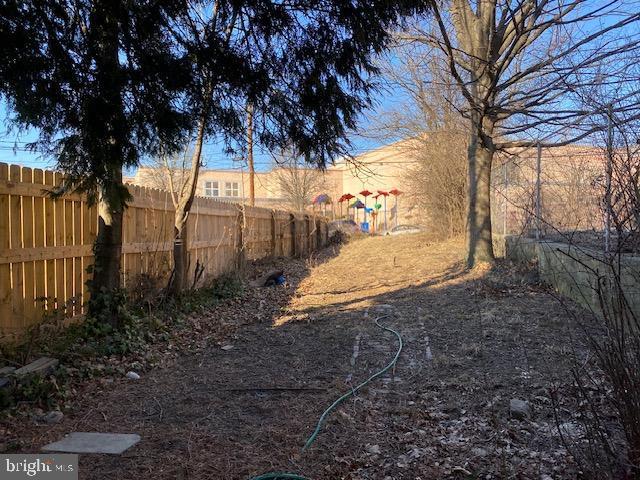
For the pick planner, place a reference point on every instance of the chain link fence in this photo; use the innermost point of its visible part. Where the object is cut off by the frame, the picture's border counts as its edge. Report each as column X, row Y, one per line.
column 552, row 193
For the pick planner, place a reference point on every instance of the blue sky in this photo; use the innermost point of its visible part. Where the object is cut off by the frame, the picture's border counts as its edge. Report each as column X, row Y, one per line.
column 13, row 144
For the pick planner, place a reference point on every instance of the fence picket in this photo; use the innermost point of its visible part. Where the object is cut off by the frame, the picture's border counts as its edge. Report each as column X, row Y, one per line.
column 77, row 261
column 5, row 269
column 27, row 242
column 38, row 241
column 69, row 293
column 58, row 209
column 50, row 241
column 17, row 269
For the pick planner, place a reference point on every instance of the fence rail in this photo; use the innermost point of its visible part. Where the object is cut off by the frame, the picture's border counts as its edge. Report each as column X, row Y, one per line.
column 46, row 244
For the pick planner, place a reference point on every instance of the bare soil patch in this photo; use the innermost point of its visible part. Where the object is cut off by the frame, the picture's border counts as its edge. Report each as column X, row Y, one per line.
column 473, row 341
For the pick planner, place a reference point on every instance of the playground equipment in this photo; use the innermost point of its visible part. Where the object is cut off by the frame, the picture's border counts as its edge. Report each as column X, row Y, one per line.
column 385, row 195
column 365, row 193
column 357, row 205
column 345, row 198
column 375, row 213
column 322, row 199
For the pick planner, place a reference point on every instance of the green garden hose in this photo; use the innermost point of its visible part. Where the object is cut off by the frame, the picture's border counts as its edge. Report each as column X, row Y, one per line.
column 279, row 476
column 325, row 414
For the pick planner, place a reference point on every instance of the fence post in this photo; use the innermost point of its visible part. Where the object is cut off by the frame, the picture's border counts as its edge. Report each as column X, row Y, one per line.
column 307, row 221
column 326, row 234
column 294, row 235
column 609, row 170
column 240, row 240
column 538, row 192
column 274, row 234
column 318, row 234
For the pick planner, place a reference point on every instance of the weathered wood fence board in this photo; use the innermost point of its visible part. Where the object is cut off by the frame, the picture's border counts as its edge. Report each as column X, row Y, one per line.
column 46, row 244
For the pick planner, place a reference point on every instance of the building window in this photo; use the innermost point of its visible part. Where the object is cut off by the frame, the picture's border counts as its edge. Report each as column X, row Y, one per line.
column 231, row 189
column 211, row 189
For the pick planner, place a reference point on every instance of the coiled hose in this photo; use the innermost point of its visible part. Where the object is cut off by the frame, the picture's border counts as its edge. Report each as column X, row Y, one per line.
column 325, row 414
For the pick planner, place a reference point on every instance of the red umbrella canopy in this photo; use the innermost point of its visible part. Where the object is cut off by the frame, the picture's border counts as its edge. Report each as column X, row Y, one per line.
column 365, row 193
column 395, row 192
column 383, row 193
column 347, row 196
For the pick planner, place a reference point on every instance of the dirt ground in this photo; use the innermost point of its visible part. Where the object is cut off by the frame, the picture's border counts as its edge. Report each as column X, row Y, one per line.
column 473, row 341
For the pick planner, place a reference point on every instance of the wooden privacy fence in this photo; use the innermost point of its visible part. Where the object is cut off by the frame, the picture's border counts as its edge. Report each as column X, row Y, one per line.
column 46, row 245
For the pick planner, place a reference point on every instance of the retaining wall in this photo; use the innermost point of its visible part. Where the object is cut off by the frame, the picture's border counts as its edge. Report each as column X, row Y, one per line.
column 576, row 272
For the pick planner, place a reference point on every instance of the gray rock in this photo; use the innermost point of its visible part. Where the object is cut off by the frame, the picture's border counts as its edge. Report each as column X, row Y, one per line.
column 570, row 429
column 373, row 449
column 383, row 307
column 133, row 376
column 519, row 409
column 479, row 452
column 54, row 416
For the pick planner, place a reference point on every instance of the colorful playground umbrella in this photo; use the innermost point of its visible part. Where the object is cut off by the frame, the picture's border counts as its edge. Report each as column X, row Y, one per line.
column 374, row 215
column 385, row 195
column 322, row 198
column 345, row 198
column 357, row 205
column 365, row 193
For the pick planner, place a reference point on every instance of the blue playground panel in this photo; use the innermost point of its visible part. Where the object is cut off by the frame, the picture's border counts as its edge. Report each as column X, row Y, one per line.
column 364, row 226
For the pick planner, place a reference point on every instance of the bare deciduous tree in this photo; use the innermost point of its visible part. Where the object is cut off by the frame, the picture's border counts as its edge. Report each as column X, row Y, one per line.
column 429, row 118
column 437, row 182
column 297, row 184
column 518, row 66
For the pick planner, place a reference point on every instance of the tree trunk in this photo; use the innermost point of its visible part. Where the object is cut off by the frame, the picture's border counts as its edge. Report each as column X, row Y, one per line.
column 478, row 225
column 180, row 257
column 106, row 268
column 252, row 171
column 180, row 246
column 105, row 144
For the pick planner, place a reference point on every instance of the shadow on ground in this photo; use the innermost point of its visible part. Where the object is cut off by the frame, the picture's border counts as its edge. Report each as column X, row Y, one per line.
column 473, row 341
